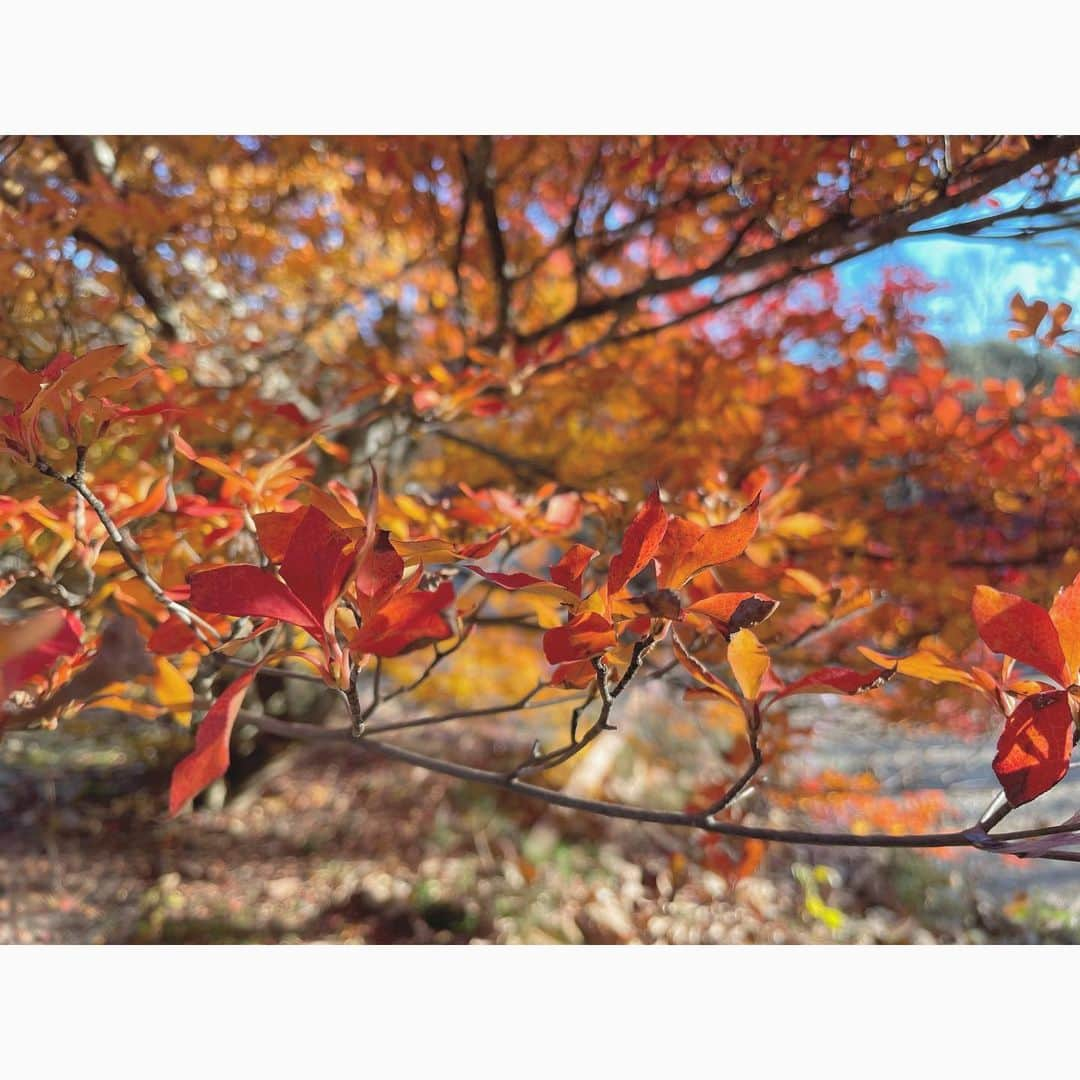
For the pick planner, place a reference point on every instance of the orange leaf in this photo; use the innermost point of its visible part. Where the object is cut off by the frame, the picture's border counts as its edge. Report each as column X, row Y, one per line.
column 700, row 672
column 275, row 529
column 687, row 549
column 379, row 573
column 527, row 583
column 153, row 502
column 731, row 612
column 1059, row 317
column 570, row 569
column 171, row 637
column 16, row 383
column 578, row 674
column 1065, row 615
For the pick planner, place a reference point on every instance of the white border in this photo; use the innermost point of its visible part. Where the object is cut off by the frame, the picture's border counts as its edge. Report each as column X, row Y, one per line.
column 564, row 66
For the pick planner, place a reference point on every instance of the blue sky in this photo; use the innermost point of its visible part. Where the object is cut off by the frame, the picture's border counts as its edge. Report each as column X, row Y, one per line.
column 977, row 278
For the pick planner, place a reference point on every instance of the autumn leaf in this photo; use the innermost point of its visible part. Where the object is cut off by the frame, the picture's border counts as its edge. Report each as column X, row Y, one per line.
column 1058, row 318
column 317, row 563
column 731, row 612
column 1018, row 628
column 569, row 571
column 1034, row 749
column 313, row 573
column 1065, row 615
column 405, row 623
column 688, row 549
column 172, row 636
column 209, row 761
column 242, row 589
column 837, row 680
column 584, row 636
column 700, row 672
column 378, row 574
column 749, row 661
column 639, row 543
column 923, row 664
column 1028, row 316
column 527, row 583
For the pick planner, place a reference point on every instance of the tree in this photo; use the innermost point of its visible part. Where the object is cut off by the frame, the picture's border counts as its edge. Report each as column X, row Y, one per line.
column 520, row 425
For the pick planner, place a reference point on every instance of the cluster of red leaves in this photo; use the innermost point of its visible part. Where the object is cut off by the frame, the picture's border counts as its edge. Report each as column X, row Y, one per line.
column 328, row 580
column 357, row 591
column 1036, row 743
column 1035, row 747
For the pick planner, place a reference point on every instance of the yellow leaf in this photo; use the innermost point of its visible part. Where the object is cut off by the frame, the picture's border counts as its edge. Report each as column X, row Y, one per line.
column 801, row 526
column 923, row 664
column 749, row 661
column 811, row 585
column 172, row 690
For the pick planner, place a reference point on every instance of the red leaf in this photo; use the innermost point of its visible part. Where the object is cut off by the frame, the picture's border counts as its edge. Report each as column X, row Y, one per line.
column 406, row 622
column 1034, row 749
column 518, row 580
column 837, row 680
column 513, row 581
column 378, row 575
column 171, row 637
column 688, row 549
column 570, row 569
column 317, row 562
column 639, row 543
column 586, row 635
column 241, row 589
column 210, row 758
column 1018, row 628
column 482, row 547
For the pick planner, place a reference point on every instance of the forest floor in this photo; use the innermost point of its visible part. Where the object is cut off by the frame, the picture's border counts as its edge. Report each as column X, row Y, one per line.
column 333, row 848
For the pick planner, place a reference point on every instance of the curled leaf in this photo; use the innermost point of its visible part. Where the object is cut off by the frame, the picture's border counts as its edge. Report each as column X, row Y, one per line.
column 731, row 612
column 527, row 583
column 837, row 680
